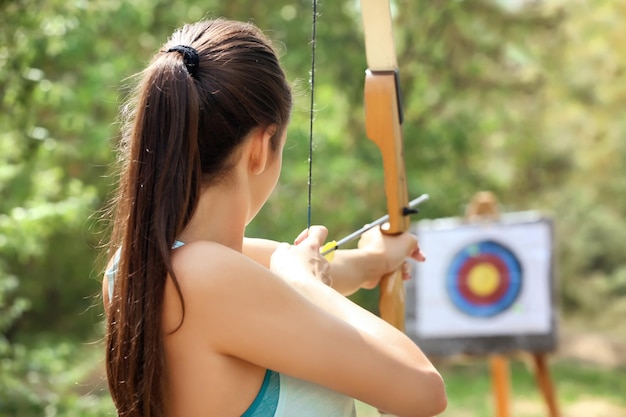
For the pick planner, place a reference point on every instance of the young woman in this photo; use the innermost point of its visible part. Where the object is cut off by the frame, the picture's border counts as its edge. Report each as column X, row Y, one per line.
column 202, row 321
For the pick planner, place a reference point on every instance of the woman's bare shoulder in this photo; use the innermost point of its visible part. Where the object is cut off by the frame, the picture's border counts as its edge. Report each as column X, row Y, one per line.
column 212, row 279
column 206, row 264
column 207, row 271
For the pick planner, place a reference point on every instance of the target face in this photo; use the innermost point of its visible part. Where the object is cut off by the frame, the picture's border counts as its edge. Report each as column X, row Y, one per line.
column 484, row 279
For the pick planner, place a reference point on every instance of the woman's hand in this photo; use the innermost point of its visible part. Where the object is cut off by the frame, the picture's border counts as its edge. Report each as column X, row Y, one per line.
column 392, row 250
column 292, row 262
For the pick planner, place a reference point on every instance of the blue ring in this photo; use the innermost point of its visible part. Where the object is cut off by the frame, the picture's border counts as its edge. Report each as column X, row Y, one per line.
column 515, row 279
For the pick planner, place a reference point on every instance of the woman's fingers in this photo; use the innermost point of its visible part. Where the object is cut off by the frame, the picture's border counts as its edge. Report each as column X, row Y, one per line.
column 315, row 234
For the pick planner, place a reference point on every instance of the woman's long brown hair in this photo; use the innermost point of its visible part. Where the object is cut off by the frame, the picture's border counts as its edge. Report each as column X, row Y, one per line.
column 178, row 135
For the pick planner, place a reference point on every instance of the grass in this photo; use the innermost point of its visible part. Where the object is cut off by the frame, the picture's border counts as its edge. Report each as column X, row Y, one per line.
column 582, row 390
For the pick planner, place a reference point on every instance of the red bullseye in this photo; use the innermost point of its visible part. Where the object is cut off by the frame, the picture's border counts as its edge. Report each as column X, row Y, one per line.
column 469, row 291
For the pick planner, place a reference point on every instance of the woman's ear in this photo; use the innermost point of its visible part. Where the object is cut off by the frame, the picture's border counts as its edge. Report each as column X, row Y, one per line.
column 261, row 152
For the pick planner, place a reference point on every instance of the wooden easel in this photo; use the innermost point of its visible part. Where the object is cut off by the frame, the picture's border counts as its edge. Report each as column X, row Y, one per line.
column 484, row 207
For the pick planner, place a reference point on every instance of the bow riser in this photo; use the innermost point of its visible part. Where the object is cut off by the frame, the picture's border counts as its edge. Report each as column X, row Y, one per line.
column 383, row 127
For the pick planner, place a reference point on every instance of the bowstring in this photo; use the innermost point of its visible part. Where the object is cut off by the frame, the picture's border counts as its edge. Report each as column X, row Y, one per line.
column 311, row 113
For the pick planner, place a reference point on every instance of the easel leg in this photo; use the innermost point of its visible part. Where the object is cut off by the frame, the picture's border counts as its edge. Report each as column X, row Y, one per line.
column 544, row 382
column 500, row 379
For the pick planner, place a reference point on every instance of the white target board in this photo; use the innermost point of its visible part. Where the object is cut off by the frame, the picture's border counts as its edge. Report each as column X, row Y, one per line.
column 484, row 279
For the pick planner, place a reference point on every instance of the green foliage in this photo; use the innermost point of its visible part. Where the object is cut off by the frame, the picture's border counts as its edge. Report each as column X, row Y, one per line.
column 584, row 95
column 523, row 100
column 42, row 380
column 51, row 156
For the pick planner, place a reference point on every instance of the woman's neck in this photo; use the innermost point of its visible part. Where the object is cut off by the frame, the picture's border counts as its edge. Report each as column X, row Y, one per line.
column 220, row 216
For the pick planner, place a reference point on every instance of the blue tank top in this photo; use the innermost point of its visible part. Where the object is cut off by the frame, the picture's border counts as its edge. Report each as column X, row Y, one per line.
column 280, row 395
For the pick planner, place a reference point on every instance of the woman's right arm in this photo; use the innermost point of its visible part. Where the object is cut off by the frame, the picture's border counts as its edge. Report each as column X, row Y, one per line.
column 295, row 324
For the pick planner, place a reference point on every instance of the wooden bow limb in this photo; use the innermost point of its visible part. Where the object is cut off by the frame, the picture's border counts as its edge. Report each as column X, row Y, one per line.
column 383, row 119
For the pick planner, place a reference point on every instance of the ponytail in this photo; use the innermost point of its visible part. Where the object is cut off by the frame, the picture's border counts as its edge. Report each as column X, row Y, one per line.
column 163, row 160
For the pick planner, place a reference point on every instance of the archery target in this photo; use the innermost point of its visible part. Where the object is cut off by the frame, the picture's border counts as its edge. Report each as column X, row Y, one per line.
column 484, row 279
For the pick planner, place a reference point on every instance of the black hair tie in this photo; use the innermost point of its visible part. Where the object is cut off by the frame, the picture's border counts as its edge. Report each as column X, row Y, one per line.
column 190, row 58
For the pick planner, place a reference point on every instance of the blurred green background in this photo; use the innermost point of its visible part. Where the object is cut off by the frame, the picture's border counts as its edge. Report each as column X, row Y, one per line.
column 523, row 98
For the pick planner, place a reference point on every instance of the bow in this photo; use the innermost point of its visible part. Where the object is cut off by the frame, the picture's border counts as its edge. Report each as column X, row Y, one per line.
column 383, row 122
